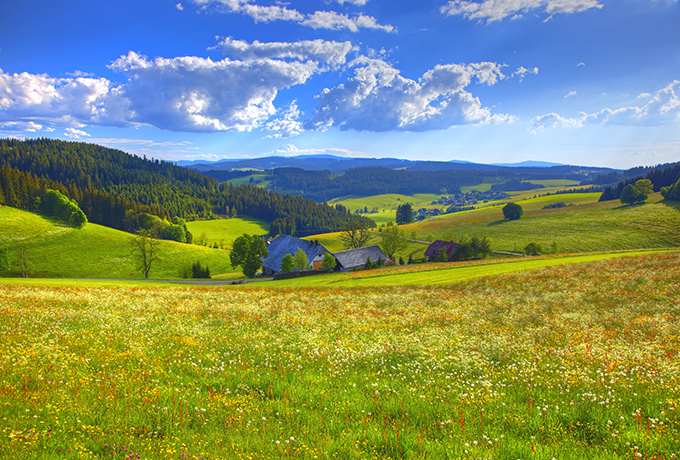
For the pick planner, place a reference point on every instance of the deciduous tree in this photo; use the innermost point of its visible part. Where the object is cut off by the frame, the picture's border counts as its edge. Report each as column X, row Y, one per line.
column 247, row 252
column 512, row 211
column 354, row 236
column 393, row 240
column 145, row 250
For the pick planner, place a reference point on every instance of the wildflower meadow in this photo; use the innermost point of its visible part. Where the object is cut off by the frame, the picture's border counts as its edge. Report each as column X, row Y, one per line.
column 568, row 362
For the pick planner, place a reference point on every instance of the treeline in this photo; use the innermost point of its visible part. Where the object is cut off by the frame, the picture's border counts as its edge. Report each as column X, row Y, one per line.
column 661, row 176
column 110, row 185
column 322, row 186
column 515, row 185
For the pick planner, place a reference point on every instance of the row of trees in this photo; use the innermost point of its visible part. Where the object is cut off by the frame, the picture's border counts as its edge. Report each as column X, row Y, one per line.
column 57, row 205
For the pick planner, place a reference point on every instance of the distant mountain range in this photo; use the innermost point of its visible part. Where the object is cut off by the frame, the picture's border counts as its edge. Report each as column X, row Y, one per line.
column 338, row 165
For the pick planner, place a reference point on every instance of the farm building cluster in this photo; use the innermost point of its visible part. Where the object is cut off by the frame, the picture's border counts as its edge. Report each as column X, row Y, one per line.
column 349, row 260
column 345, row 261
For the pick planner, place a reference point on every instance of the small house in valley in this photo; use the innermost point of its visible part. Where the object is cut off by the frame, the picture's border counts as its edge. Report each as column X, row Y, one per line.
column 355, row 259
column 285, row 244
column 433, row 250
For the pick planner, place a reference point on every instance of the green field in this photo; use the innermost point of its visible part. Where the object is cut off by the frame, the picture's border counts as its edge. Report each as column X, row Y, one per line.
column 225, row 231
column 58, row 250
column 584, row 225
column 590, row 227
column 566, row 362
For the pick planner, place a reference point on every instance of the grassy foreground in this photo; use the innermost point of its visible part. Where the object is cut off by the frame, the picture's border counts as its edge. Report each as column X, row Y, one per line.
column 568, row 362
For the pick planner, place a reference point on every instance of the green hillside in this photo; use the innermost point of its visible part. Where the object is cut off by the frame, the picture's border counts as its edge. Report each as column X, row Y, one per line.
column 225, row 231
column 58, row 250
column 587, row 227
column 584, row 225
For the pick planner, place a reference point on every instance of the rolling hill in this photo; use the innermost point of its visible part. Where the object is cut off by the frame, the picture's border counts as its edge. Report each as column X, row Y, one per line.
column 58, row 250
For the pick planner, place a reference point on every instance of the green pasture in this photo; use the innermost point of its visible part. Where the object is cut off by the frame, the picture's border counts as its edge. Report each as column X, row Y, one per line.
column 434, row 274
column 58, row 250
column 585, row 228
column 225, row 231
column 332, row 242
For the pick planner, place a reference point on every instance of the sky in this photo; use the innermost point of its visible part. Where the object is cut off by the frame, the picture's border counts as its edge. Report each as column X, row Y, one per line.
column 585, row 82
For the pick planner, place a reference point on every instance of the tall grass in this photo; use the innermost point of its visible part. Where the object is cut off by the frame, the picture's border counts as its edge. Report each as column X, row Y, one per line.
column 567, row 362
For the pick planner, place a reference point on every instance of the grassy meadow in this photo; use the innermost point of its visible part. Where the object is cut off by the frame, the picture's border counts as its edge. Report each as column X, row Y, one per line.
column 225, row 231
column 58, row 250
column 565, row 362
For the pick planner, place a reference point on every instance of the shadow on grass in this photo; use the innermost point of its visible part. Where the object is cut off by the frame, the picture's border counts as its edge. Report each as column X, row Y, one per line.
column 671, row 204
column 499, row 222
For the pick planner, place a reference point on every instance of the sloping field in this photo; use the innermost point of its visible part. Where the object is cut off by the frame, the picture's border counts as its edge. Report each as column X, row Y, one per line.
column 568, row 362
column 225, row 231
column 58, row 250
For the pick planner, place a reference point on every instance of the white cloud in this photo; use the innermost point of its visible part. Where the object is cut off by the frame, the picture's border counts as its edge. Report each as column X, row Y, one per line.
column 378, row 98
column 19, row 126
column 287, row 124
column 332, row 53
column 74, row 133
column 497, row 10
column 581, row 64
column 197, row 94
column 60, row 101
column 522, row 72
column 570, row 94
column 316, row 20
column 292, row 150
column 663, row 108
column 180, row 7
column 353, row 2
column 337, row 21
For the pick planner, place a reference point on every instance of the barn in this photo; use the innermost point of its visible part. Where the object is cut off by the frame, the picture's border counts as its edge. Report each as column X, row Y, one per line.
column 355, row 259
column 285, row 244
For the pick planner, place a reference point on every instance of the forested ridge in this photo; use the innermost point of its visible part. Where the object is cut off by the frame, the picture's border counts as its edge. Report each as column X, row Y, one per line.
column 367, row 181
column 106, row 183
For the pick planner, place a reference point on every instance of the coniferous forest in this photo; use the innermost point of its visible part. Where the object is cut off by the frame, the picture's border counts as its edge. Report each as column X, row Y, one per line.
column 110, row 185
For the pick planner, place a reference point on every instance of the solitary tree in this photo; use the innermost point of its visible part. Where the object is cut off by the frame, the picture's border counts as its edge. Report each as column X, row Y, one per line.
column 329, row 262
column 247, row 252
column 301, row 261
column 393, row 240
column 512, row 211
column 354, row 235
column 404, row 214
column 637, row 193
column 145, row 249
column 533, row 249
column 287, row 263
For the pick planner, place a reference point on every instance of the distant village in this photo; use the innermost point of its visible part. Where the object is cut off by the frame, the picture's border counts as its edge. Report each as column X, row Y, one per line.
column 457, row 203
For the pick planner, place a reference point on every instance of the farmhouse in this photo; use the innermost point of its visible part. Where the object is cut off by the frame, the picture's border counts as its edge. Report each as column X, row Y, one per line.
column 432, row 251
column 355, row 259
column 285, row 244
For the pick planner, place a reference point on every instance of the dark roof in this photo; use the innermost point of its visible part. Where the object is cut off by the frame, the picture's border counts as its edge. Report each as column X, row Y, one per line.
column 356, row 258
column 285, row 244
column 434, row 248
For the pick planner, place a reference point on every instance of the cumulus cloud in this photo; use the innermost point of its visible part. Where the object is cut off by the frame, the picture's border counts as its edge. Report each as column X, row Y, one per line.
column 662, row 108
column 61, row 101
column 570, row 94
column 287, row 124
column 316, row 20
column 20, row 126
column 497, row 10
column 293, row 150
column 198, row 94
column 332, row 53
column 74, row 133
column 337, row 21
column 378, row 98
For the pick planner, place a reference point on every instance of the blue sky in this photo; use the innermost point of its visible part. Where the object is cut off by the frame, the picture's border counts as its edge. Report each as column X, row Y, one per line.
column 590, row 82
